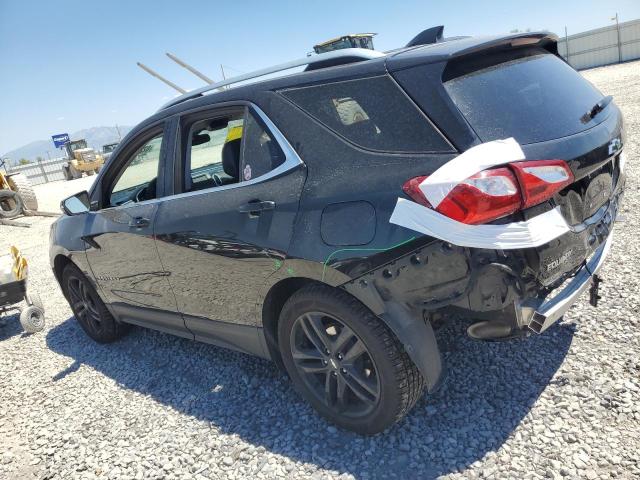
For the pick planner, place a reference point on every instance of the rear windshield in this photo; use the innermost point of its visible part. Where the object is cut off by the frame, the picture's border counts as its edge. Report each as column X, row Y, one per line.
column 533, row 98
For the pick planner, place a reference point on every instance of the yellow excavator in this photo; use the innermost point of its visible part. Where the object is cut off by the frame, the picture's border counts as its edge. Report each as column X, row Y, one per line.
column 16, row 194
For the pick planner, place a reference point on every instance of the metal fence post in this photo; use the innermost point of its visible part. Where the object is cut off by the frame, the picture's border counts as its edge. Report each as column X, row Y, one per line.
column 619, row 42
column 566, row 43
column 44, row 173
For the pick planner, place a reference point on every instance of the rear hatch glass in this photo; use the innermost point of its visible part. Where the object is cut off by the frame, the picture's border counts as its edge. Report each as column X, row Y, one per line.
column 530, row 95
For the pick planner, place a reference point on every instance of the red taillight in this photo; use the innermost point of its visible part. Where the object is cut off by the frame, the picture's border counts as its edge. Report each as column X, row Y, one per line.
column 495, row 193
column 412, row 188
column 541, row 179
column 483, row 197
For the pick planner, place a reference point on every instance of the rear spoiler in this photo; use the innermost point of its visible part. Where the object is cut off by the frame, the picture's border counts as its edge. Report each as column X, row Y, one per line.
column 546, row 40
column 470, row 46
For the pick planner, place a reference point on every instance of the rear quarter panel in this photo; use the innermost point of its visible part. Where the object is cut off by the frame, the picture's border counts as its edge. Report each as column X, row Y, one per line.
column 338, row 172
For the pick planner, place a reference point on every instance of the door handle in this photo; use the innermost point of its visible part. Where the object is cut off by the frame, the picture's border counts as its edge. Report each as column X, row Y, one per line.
column 256, row 207
column 139, row 222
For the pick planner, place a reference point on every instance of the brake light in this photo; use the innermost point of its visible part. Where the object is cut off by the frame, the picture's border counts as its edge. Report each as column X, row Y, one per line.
column 483, row 197
column 412, row 188
column 495, row 193
column 541, row 179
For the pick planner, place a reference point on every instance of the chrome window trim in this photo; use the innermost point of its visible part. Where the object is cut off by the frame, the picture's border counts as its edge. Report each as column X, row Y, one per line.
column 292, row 160
column 356, row 53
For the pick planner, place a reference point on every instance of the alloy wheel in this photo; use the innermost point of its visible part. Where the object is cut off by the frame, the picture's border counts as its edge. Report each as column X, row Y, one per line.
column 83, row 304
column 335, row 364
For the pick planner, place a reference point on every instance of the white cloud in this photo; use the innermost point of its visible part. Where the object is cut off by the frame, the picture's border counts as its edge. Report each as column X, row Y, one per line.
column 60, row 118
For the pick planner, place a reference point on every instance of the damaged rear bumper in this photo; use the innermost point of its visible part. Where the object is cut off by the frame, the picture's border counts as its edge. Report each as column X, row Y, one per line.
column 549, row 311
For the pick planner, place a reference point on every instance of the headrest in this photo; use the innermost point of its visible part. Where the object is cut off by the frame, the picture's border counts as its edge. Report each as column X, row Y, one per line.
column 231, row 158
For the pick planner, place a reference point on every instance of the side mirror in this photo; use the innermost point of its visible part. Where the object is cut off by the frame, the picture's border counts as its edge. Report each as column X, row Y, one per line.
column 76, row 204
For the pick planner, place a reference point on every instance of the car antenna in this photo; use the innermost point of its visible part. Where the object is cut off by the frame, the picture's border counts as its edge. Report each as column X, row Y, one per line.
column 161, row 78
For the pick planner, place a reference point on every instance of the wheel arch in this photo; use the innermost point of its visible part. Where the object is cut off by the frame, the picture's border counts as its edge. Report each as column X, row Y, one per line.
column 275, row 299
column 61, row 260
column 414, row 332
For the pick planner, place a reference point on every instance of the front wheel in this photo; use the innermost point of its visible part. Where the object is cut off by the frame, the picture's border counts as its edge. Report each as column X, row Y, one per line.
column 88, row 308
column 345, row 361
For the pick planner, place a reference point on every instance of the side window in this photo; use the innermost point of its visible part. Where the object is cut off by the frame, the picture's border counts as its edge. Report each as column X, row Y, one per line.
column 374, row 113
column 261, row 152
column 213, row 152
column 225, row 150
column 138, row 178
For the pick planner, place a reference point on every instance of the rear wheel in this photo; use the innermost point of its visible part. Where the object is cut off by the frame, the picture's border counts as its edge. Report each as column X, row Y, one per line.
column 89, row 309
column 21, row 184
column 345, row 361
column 90, row 172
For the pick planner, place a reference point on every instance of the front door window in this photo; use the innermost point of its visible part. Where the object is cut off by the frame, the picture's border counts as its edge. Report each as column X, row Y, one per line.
column 138, row 180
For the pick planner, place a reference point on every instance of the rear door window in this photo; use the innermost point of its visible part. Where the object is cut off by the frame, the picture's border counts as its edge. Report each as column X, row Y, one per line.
column 227, row 148
column 373, row 113
column 213, row 152
column 533, row 98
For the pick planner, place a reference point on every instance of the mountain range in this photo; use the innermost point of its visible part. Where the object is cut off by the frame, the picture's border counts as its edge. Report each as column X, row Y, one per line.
column 95, row 137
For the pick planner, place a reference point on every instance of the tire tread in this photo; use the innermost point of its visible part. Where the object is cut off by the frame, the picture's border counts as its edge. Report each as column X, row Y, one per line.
column 21, row 184
column 410, row 382
column 114, row 330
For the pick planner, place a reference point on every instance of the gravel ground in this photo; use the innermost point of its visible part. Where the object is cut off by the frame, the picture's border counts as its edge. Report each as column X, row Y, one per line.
column 562, row 405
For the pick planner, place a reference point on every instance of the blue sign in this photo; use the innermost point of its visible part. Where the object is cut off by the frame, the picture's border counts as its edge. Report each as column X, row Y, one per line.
column 60, row 139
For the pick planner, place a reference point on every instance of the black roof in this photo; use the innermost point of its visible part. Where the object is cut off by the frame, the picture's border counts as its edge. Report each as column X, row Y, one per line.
column 395, row 60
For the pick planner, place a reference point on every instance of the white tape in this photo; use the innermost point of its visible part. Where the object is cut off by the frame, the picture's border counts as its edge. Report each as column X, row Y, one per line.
column 530, row 233
column 498, row 152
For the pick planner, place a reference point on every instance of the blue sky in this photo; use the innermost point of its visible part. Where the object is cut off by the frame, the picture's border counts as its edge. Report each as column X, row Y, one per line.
column 70, row 64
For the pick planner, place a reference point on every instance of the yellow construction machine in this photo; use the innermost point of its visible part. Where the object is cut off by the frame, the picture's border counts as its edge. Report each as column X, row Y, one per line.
column 81, row 159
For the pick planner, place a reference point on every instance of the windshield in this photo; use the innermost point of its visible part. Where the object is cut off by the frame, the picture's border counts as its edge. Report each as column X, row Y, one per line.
column 77, row 145
column 533, row 98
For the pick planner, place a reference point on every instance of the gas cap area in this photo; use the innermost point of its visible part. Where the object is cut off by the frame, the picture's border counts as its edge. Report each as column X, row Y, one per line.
column 348, row 223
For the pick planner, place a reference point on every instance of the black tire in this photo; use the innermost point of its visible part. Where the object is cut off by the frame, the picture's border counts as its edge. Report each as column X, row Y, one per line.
column 21, row 184
column 10, row 204
column 75, row 173
column 89, row 309
column 66, row 172
column 90, row 172
column 393, row 382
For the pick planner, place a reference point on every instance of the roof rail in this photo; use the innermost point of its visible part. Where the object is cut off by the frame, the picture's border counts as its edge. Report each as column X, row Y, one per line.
column 357, row 54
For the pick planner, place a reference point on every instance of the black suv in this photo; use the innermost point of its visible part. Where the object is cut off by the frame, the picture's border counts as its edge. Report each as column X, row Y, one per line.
column 321, row 219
